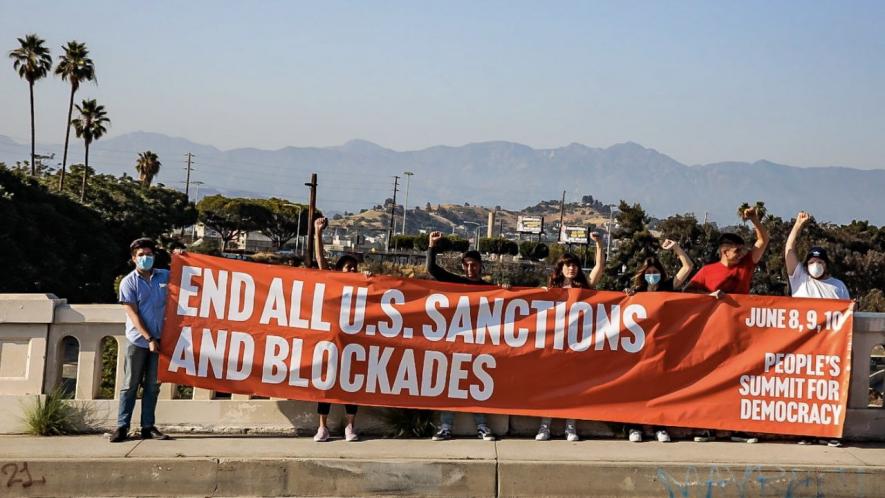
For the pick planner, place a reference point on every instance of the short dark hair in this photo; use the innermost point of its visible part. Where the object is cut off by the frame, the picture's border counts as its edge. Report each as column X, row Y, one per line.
column 472, row 254
column 142, row 243
column 731, row 239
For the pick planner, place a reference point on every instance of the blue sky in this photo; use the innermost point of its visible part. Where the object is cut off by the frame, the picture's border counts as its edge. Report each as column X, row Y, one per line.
column 800, row 82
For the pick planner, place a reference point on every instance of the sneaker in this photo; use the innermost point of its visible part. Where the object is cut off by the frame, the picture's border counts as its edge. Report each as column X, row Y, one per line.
column 635, row 436
column 322, row 435
column 119, row 435
column 834, row 443
column 662, row 436
column 571, row 434
column 745, row 439
column 350, row 435
column 153, row 433
column 543, row 433
column 485, row 433
column 706, row 437
column 805, row 442
column 444, row 434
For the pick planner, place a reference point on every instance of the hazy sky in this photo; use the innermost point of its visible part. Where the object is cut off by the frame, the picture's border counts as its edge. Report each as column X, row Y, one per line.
column 800, row 82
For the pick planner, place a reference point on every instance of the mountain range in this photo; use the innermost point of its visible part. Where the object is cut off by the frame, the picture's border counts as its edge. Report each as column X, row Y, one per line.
column 359, row 174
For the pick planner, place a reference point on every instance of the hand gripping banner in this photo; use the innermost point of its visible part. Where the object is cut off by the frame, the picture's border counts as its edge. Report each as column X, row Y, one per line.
column 748, row 363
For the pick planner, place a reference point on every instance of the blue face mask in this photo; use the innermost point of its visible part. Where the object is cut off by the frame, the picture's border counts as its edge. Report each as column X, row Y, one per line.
column 144, row 263
column 652, row 278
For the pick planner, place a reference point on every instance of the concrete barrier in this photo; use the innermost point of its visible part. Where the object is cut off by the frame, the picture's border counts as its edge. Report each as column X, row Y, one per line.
column 34, row 326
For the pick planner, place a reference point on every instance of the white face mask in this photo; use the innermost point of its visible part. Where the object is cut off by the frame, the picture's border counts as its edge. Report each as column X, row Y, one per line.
column 816, row 270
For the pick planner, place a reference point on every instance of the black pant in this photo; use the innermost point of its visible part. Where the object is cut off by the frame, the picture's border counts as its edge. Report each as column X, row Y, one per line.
column 323, row 409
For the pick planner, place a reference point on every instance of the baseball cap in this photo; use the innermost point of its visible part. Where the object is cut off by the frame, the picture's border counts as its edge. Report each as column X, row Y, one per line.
column 817, row 252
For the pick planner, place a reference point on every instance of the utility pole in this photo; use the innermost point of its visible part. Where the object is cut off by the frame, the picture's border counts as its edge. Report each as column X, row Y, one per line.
column 311, row 211
column 187, row 181
column 406, row 202
column 561, row 214
column 392, row 211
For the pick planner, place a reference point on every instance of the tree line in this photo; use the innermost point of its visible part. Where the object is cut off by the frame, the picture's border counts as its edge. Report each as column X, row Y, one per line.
column 32, row 61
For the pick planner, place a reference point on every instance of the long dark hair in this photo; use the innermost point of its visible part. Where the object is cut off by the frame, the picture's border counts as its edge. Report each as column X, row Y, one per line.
column 557, row 279
column 344, row 260
column 639, row 283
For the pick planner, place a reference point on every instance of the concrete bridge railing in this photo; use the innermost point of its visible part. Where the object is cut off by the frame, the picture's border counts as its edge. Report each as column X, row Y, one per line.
column 46, row 342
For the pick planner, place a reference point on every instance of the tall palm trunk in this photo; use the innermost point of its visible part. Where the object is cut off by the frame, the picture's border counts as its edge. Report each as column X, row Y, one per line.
column 64, row 160
column 85, row 174
column 33, row 154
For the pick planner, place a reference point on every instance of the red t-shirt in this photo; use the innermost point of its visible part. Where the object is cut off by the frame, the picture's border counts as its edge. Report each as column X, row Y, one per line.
column 731, row 279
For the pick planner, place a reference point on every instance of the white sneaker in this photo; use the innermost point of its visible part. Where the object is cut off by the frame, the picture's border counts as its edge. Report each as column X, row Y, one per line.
column 322, row 435
column 350, row 435
column 543, row 433
column 571, row 434
column 742, row 439
column 635, row 436
column 484, row 433
column 707, row 437
column 662, row 436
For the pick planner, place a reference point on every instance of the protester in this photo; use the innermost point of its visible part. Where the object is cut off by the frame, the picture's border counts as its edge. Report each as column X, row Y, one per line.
column 812, row 277
column 732, row 274
column 471, row 263
column 143, row 296
column 567, row 274
column 652, row 277
column 347, row 264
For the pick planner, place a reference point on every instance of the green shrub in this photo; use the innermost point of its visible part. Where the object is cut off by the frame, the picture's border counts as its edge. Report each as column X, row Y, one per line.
column 51, row 416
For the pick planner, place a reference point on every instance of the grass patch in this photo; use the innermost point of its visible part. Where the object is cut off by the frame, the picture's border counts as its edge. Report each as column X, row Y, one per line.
column 51, row 416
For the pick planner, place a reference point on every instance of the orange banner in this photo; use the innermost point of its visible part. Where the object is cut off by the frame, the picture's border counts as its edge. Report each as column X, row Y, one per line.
column 749, row 363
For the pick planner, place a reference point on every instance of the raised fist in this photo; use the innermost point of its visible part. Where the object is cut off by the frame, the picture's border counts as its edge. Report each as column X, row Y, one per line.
column 320, row 224
column 668, row 244
column 596, row 237
column 802, row 218
column 434, row 238
column 751, row 214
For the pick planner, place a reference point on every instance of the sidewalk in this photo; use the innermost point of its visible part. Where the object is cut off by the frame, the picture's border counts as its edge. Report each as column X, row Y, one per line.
column 211, row 465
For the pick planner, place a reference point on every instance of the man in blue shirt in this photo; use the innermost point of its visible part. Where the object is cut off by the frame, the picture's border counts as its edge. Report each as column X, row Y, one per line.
column 143, row 296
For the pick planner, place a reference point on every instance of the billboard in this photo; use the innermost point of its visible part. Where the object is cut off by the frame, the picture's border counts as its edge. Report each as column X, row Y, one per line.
column 574, row 234
column 530, row 224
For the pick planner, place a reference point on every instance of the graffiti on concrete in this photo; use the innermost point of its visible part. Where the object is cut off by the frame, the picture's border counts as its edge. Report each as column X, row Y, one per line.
column 711, row 481
column 19, row 474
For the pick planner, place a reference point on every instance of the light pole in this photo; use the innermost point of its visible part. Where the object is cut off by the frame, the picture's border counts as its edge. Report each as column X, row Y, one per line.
column 406, row 202
column 197, row 190
column 298, row 230
column 611, row 212
column 476, row 236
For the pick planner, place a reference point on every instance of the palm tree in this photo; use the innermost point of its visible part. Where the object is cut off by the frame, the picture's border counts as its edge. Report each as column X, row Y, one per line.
column 33, row 62
column 90, row 126
column 148, row 165
column 74, row 66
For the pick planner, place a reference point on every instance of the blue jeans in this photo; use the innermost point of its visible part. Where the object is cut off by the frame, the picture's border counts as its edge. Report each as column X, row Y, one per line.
column 448, row 418
column 139, row 368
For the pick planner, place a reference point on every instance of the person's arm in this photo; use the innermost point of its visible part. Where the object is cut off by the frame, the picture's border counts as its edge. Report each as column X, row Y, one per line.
column 319, row 225
column 131, row 310
column 434, row 269
column 599, row 268
column 687, row 265
column 790, row 255
column 761, row 234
